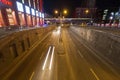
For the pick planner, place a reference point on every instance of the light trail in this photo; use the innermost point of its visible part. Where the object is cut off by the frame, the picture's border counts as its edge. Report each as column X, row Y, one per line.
column 46, row 58
column 51, row 58
column 97, row 78
column 32, row 76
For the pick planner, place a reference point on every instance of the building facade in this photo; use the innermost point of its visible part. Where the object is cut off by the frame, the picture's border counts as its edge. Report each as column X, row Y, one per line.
column 27, row 13
column 88, row 3
column 87, row 9
column 85, row 12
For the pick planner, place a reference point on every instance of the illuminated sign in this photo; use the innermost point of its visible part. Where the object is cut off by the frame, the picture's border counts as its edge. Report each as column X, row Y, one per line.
column 40, row 14
column 33, row 12
column 27, row 9
column 19, row 6
column 37, row 14
column 6, row 2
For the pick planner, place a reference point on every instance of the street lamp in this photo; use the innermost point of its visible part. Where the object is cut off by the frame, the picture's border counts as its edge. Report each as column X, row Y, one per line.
column 65, row 12
column 86, row 11
column 56, row 12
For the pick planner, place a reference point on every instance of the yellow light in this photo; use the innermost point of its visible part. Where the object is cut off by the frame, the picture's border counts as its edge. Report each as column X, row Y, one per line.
column 56, row 12
column 87, row 11
column 65, row 12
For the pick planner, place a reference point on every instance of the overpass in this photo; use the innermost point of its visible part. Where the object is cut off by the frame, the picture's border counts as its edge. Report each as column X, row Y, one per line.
column 69, row 19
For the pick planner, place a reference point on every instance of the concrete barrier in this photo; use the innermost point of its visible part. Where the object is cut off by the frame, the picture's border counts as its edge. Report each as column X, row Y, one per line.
column 107, row 44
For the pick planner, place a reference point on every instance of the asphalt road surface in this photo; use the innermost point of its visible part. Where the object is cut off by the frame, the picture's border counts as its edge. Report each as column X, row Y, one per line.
column 64, row 56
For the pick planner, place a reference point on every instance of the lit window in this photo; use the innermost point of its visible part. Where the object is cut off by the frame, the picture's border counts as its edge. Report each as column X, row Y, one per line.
column 23, row 1
column 42, row 15
column 29, row 3
column 37, row 13
column 27, row 9
column 19, row 6
column 33, row 12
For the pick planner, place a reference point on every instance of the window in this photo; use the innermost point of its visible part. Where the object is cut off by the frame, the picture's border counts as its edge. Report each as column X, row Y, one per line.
column 10, row 16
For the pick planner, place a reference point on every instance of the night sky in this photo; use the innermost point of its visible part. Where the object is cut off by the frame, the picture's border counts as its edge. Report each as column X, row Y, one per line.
column 51, row 5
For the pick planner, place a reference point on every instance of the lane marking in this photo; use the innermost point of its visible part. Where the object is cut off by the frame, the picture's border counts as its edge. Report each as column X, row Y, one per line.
column 41, row 56
column 80, row 54
column 97, row 78
column 32, row 76
column 46, row 58
column 51, row 58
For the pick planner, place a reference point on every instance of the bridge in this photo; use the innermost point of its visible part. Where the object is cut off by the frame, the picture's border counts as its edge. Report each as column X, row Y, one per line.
column 67, row 20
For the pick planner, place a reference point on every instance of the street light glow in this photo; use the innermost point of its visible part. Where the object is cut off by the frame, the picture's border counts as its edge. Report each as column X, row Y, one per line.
column 56, row 12
column 65, row 11
column 87, row 11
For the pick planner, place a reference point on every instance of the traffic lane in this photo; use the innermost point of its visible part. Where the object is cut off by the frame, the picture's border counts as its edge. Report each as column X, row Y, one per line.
column 104, row 71
column 63, row 69
column 72, row 66
column 46, row 69
column 60, row 69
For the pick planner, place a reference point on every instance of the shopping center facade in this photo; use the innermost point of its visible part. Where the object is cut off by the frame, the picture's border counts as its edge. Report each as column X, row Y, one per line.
column 26, row 13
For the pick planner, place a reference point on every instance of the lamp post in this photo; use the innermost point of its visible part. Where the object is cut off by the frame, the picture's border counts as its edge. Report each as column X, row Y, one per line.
column 61, row 15
column 89, row 14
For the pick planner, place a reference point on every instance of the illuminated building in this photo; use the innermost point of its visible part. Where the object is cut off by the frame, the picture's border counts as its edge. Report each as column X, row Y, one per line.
column 85, row 12
column 14, row 13
column 8, row 15
column 87, row 9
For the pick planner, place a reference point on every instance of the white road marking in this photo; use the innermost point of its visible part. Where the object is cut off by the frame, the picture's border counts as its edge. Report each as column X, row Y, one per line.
column 46, row 58
column 32, row 76
column 97, row 78
column 51, row 58
column 80, row 54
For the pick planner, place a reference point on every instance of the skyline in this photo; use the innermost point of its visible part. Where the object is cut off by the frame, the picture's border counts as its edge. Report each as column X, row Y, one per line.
column 50, row 6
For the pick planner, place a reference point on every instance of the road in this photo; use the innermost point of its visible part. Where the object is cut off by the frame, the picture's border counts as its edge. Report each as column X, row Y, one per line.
column 64, row 56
